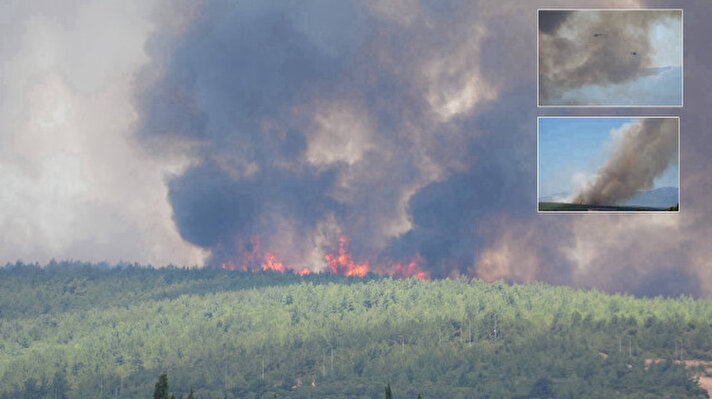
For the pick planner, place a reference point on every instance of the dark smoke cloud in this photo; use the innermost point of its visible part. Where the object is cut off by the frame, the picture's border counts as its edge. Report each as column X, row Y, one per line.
column 228, row 71
column 599, row 48
column 550, row 20
column 300, row 133
column 643, row 151
column 408, row 126
column 212, row 207
column 447, row 214
column 220, row 86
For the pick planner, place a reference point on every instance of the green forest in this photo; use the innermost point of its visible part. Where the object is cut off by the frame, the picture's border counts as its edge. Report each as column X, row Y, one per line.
column 79, row 330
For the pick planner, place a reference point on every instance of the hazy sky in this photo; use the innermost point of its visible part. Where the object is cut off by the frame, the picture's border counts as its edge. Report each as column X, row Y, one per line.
column 663, row 87
column 179, row 132
column 571, row 150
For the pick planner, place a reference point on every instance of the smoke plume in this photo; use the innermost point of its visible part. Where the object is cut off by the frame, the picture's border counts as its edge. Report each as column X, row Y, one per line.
column 581, row 48
column 643, row 150
column 272, row 134
column 310, row 123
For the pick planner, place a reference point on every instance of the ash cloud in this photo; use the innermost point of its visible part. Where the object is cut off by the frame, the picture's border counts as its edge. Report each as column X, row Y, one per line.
column 219, row 90
column 551, row 20
column 588, row 48
column 407, row 126
column 301, row 131
column 643, row 150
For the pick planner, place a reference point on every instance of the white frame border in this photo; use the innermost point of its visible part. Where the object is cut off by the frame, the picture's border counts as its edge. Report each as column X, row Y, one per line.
column 682, row 58
column 679, row 162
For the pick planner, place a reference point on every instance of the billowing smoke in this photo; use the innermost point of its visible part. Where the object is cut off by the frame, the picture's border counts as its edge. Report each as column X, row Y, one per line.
column 582, row 48
column 270, row 129
column 643, row 151
column 406, row 127
column 309, row 123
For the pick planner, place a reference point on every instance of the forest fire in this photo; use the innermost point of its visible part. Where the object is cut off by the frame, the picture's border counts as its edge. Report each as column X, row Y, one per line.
column 340, row 262
column 343, row 263
column 254, row 260
column 271, row 263
column 410, row 269
column 231, row 267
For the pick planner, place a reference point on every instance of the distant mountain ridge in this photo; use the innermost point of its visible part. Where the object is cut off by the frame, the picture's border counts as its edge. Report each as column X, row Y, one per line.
column 556, row 197
column 662, row 197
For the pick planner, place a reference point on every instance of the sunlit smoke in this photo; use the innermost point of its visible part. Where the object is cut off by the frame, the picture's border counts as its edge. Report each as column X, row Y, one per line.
column 643, row 150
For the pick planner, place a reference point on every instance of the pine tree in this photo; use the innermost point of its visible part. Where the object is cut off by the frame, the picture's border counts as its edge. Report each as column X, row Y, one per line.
column 161, row 391
column 59, row 386
column 389, row 395
column 542, row 389
column 32, row 390
column 191, row 395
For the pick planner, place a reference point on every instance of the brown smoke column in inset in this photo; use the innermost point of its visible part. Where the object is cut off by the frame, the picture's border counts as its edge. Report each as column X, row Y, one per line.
column 644, row 151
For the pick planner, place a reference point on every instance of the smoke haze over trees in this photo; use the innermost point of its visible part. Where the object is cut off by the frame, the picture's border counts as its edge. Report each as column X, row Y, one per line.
column 193, row 130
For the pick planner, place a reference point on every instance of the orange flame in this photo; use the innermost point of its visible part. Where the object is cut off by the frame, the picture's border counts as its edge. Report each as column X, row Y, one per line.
column 343, row 263
column 231, row 267
column 403, row 270
column 271, row 263
column 253, row 259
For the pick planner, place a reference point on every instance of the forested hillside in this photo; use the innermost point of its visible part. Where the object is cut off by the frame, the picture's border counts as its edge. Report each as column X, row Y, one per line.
column 71, row 330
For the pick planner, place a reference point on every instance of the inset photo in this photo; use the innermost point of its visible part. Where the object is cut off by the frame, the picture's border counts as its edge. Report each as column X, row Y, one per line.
column 608, row 164
column 610, row 58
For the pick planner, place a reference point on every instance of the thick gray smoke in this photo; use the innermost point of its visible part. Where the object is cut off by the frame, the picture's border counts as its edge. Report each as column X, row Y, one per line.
column 644, row 149
column 406, row 126
column 263, row 125
column 311, row 122
column 550, row 20
column 581, row 48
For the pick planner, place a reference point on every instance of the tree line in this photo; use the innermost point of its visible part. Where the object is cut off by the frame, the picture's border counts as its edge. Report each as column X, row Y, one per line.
column 75, row 330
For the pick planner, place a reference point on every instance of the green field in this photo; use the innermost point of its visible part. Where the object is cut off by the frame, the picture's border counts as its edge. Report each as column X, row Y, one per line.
column 85, row 331
column 569, row 207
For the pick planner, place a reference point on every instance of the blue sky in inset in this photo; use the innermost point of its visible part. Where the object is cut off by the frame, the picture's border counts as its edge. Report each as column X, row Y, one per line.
column 574, row 148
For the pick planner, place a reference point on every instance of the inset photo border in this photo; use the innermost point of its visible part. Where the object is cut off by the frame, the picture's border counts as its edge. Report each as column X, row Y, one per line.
column 610, row 58
column 601, row 164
